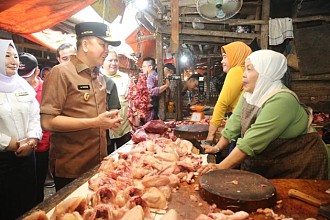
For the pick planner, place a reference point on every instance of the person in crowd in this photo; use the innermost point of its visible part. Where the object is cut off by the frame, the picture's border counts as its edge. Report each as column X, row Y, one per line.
column 169, row 70
column 190, row 94
column 122, row 135
column 112, row 102
column 28, row 69
column 149, row 68
column 273, row 129
column 233, row 57
column 64, row 51
column 190, row 90
column 73, row 106
column 20, row 133
column 44, row 72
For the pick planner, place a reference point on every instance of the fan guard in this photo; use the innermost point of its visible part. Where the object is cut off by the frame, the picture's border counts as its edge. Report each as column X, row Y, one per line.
column 218, row 10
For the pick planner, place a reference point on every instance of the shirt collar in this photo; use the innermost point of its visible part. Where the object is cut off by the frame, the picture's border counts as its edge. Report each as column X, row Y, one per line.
column 80, row 66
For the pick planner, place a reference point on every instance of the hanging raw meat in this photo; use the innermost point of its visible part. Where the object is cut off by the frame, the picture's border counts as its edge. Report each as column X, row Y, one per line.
column 139, row 100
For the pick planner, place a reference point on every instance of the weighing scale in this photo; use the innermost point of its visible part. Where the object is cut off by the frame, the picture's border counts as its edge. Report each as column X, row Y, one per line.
column 198, row 113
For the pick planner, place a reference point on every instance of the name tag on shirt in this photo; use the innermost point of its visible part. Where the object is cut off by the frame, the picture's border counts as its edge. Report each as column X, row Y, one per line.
column 83, row 87
column 22, row 94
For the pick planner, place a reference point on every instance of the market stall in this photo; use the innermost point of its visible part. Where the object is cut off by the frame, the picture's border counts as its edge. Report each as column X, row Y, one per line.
column 186, row 201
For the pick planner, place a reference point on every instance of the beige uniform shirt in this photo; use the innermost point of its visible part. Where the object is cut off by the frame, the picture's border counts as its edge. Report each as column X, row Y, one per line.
column 122, row 81
column 71, row 89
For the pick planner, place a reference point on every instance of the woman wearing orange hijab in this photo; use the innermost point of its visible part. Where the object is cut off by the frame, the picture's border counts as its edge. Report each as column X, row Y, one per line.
column 233, row 58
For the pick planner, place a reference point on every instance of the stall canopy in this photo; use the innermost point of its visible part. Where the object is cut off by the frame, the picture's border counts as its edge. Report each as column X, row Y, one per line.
column 51, row 22
column 30, row 16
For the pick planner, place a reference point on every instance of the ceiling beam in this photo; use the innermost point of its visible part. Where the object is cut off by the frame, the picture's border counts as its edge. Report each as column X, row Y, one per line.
column 230, row 22
column 33, row 46
column 311, row 18
column 192, row 3
column 211, row 33
column 209, row 40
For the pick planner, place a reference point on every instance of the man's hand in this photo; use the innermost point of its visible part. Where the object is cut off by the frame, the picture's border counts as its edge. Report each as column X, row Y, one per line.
column 110, row 120
column 194, row 100
column 167, row 82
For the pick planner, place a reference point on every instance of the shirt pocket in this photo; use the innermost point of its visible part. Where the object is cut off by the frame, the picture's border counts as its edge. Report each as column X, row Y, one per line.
column 24, row 98
column 24, row 103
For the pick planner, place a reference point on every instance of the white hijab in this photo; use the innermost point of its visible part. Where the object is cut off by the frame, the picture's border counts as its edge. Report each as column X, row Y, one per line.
column 271, row 67
column 9, row 84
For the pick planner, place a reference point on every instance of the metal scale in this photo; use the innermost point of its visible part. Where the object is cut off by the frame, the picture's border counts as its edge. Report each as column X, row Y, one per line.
column 198, row 113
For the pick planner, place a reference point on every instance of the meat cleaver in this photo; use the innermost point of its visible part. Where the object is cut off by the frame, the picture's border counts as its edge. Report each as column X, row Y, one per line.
column 324, row 207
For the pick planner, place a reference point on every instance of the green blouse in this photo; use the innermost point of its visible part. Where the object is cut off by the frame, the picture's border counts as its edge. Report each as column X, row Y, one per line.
column 280, row 117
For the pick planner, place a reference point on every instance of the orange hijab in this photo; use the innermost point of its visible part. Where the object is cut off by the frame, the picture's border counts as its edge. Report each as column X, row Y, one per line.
column 236, row 53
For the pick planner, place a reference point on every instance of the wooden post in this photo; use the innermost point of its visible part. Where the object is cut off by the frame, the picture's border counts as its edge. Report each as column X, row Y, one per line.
column 175, row 27
column 174, row 49
column 208, row 78
column 160, row 70
column 178, row 89
column 265, row 27
column 257, row 17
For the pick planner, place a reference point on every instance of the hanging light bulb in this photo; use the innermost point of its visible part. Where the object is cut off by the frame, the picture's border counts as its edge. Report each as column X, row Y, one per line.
column 184, row 58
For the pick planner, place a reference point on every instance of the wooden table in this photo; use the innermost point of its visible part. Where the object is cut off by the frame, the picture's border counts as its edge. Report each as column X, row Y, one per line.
column 290, row 207
column 296, row 208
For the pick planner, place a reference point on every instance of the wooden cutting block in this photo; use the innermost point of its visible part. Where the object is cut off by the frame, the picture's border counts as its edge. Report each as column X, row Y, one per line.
column 193, row 131
column 237, row 190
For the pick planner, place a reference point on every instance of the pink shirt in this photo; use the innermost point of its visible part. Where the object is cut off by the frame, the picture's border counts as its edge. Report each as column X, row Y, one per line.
column 43, row 144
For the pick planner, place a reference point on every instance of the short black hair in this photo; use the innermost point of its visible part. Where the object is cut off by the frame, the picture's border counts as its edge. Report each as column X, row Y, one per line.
column 64, row 46
column 170, row 66
column 152, row 60
column 194, row 77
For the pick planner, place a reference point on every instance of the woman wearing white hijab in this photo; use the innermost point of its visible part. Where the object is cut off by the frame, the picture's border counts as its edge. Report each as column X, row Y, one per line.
column 273, row 130
column 20, row 132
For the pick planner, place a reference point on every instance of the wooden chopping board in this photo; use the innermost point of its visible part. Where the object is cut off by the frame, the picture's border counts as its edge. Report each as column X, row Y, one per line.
column 237, row 190
column 193, row 131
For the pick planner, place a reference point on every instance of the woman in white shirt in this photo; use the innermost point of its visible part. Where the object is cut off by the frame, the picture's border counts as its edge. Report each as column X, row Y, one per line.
column 20, row 132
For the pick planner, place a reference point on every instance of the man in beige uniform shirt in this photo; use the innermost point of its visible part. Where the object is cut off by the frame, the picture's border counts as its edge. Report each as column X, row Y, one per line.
column 122, row 135
column 74, row 106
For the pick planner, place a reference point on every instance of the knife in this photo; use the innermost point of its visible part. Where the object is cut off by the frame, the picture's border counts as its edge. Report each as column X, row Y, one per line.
column 197, row 145
column 324, row 206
